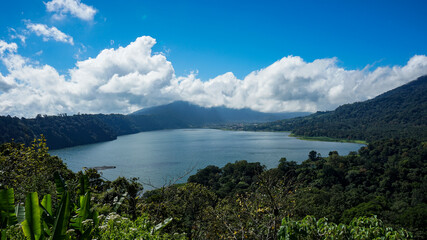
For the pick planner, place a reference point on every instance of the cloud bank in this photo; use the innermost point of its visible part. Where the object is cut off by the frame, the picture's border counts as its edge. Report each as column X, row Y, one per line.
column 128, row 78
column 61, row 8
column 49, row 33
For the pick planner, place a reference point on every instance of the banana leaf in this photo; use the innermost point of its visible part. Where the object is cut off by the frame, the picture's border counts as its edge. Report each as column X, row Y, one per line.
column 7, row 208
column 61, row 187
column 32, row 224
column 62, row 218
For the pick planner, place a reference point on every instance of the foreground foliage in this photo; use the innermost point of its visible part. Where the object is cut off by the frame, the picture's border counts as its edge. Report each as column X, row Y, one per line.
column 115, row 226
column 241, row 200
column 68, row 220
column 30, row 168
column 359, row 228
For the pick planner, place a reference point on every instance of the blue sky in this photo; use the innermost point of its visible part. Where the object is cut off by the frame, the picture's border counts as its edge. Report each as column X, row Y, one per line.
column 205, row 39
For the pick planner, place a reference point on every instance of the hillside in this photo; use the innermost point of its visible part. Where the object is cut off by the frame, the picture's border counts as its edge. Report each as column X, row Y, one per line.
column 401, row 112
column 61, row 131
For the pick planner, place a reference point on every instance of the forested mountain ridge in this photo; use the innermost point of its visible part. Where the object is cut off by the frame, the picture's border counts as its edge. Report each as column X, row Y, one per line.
column 67, row 131
column 401, row 112
column 62, row 131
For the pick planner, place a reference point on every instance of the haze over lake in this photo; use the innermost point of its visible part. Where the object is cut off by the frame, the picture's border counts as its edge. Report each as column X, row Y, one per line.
column 160, row 156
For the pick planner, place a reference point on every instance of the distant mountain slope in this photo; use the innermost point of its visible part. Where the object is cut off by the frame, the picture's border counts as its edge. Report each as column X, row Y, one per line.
column 182, row 113
column 193, row 115
column 401, row 112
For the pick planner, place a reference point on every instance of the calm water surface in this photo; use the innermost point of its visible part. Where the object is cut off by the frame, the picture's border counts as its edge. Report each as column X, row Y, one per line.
column 161, row 156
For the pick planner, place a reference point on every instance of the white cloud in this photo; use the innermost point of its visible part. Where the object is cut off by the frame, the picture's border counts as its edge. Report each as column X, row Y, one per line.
column 291, row 84
column 117, row 80
column 7, row 47
column 29, row 89
column 49, row 33
column 73, row 7
column 6, row 83
column 128, row 78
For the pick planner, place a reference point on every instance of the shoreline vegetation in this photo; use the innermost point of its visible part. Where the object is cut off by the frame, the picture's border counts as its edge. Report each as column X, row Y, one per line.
column 305, row 138
column 327, row 139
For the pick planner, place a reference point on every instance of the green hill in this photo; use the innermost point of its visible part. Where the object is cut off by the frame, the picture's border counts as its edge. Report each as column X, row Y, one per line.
column 401, row 112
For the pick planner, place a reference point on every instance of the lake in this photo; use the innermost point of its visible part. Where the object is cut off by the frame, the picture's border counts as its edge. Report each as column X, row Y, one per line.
column 159, row 157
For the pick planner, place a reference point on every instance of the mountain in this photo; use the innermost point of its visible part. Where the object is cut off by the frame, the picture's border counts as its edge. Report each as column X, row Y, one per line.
column 401, row 113
column 192, row 115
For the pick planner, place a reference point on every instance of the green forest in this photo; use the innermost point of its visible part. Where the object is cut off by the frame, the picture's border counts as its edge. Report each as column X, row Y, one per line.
column 375, row 193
